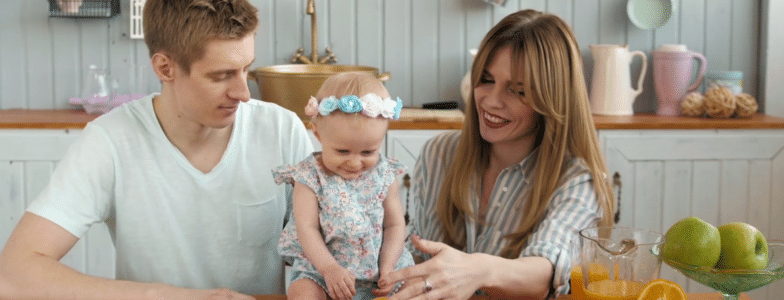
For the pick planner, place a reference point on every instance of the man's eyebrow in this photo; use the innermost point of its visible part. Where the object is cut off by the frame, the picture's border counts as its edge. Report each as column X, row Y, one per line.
column 222, row 71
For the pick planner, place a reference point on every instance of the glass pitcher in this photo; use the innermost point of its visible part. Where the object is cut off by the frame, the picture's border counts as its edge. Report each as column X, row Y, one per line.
column 617, row 262
column 96, row 90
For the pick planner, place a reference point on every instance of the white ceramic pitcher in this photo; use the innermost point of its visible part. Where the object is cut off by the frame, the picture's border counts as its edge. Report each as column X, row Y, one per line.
column 611, row 90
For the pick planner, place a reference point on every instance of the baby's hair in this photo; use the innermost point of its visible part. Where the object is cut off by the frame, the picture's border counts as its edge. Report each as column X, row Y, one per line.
column 351, row 83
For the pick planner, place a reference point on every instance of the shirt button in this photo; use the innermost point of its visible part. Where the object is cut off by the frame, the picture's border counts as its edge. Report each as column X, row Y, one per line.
column 504, row 189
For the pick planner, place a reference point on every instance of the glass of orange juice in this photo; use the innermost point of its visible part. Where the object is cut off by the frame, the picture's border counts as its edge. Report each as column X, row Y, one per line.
column 616, row 262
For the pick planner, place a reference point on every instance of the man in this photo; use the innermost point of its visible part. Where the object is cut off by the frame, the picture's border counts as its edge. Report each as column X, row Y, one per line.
column 181, row 177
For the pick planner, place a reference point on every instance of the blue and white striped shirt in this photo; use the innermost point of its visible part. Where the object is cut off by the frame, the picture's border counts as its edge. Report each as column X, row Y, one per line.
column 573, row 206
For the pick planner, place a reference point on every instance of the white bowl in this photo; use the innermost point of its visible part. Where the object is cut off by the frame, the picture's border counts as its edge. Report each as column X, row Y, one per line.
column 650, row 14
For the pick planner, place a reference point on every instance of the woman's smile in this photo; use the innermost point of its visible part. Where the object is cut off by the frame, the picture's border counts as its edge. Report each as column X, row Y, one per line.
column 494, row 121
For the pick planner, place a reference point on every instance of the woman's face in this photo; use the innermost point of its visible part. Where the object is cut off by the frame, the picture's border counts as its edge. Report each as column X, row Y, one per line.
column 504, row 116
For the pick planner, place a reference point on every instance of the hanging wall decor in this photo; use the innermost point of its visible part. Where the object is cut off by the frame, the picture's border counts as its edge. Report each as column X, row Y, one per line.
column 85, row 9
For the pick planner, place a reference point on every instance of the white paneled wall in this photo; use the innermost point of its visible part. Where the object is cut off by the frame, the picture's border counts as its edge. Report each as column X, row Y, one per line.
column 423, row 44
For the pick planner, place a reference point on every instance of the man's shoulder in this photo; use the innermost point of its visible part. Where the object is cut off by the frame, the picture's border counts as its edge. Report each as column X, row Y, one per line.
column 273, row 109
column 268, row 115
column 128, row 116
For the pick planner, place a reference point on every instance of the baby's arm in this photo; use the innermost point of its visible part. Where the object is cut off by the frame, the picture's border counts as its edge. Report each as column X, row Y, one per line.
column 394, row 233
column 340, row 282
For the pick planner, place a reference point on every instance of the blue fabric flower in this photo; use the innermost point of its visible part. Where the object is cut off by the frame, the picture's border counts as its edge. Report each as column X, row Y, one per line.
column 398, row 107
column 350, row 104
column 327, row 106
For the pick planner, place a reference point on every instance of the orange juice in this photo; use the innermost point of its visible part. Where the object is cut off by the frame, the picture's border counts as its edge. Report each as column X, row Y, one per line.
column 596, row 272
column 613, row 290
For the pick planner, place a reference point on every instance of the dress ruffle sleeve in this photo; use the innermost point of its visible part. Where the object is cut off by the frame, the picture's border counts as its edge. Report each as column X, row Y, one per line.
column 301, row 172
column 396, row 166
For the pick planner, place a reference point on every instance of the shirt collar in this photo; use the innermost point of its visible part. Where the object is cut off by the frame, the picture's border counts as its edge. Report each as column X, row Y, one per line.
column 526, row 166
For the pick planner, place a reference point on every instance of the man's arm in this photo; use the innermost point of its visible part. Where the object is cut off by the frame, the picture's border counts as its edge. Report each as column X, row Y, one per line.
column 30, row 268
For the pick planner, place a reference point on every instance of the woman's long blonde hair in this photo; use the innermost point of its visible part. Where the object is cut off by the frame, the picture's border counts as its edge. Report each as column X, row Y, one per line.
column 553, row 81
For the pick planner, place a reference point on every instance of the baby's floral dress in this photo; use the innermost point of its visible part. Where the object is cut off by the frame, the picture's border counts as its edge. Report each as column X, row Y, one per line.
column 351, row 215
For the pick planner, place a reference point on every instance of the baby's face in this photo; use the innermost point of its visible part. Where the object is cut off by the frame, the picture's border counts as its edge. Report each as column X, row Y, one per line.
column 350, row 143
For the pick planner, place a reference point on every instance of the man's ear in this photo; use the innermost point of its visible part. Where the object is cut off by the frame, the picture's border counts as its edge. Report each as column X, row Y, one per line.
column 163, row 66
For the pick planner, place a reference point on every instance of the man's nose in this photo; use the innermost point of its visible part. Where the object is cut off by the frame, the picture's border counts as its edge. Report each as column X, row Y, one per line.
column 239, row 88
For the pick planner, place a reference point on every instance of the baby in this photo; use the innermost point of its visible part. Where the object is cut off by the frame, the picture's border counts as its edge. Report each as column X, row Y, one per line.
column 347, row 228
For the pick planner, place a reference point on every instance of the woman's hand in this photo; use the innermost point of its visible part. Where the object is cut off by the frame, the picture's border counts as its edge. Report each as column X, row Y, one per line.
column 450, row 274
column 340, row 282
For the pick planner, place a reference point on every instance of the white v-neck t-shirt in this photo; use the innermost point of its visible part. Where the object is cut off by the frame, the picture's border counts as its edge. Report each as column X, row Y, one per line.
column 170, row 222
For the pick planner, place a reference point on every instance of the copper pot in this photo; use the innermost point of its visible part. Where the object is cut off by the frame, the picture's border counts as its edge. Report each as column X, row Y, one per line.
column 292, row 85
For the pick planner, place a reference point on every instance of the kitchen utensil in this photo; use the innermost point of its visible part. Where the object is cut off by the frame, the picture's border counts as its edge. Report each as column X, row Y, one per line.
column 650, row 14
column 69, row 6
column 95, row 91
column 673, row 48
column 440, row 105
column 495, row 2
column 292, row 85
column 733, row 80
column 730, row 283
column 617, row 262
column 100, row 92
column 672, row 77
column 611, row 91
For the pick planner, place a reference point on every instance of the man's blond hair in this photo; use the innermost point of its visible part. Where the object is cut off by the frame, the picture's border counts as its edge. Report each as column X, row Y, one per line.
column 181, row 29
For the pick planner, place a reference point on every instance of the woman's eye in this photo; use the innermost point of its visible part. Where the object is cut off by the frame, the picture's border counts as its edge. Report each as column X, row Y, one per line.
column 485, row 80
column 513, row 91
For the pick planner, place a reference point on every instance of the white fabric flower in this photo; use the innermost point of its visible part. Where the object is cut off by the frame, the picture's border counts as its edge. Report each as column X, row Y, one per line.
column 389, row 108
column 371, row 105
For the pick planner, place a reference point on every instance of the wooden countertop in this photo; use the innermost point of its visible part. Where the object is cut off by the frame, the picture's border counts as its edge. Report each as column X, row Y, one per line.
column 416, row 119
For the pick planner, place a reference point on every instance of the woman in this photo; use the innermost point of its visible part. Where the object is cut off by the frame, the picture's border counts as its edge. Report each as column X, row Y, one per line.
column 499, row 202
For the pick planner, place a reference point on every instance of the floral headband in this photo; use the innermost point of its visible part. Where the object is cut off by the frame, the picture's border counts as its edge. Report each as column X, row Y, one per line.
column 370, row 105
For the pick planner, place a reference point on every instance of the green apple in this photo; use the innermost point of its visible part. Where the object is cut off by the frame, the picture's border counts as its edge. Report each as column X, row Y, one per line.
column 742, row 247
column 692, row 241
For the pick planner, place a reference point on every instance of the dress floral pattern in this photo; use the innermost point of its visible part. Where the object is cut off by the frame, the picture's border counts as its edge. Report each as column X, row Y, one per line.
column 351, row 214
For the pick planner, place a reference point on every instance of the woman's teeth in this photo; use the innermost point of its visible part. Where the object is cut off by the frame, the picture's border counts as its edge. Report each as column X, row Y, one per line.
column 493, row 119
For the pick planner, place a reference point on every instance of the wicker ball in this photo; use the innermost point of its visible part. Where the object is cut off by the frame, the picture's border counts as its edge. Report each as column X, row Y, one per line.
column 693, row 105
column 719, row 102
column 746, row 105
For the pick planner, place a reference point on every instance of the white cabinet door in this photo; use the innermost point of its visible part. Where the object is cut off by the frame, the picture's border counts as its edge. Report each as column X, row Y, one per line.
column 27, row 160
column 405, row 146
column 719, row 176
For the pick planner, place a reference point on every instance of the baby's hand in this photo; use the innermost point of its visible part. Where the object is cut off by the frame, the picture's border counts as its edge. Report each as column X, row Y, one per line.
column 384, row 290
column 340, row 282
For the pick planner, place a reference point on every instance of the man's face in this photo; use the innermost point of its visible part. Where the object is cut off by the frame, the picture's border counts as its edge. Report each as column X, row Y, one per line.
column 217, row 82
